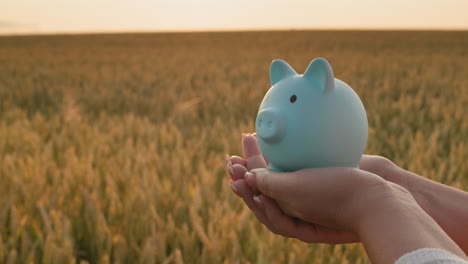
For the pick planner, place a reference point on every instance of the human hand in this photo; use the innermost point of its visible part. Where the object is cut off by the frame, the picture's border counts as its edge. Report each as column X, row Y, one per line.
column 445, row 204
column 344, row 205
column 267, row 211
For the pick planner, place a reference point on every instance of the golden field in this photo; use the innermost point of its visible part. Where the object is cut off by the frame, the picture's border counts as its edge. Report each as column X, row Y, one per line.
column 112, row 146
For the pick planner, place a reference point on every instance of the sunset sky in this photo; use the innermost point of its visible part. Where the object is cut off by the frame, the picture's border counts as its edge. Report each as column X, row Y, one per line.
column 51, row 16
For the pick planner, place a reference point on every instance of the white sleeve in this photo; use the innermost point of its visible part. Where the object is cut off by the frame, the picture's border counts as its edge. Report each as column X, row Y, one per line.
column 430, row 256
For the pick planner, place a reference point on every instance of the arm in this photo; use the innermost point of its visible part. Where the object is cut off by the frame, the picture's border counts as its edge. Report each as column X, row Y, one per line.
column 448, row 206
column 400, row 227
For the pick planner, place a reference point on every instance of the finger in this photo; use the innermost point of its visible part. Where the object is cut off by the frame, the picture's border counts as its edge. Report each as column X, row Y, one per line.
column 282, row 224
column 313, row 233
column 371, row 163
column 255, row 135
column 238, row 160
column 238, row 171
column 304, row 231
column 381, row 166
column 247, row 195
column 231, row 162
column 273, row 184
column 230, row 170
column 234, row 188
column 252, row 153
column 319, row 183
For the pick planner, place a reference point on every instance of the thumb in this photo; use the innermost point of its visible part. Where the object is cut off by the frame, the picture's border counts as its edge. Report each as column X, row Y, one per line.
column 271, row 183
column 252, row 153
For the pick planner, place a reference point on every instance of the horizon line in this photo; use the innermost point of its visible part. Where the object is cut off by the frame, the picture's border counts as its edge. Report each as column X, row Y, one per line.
column 218, row 30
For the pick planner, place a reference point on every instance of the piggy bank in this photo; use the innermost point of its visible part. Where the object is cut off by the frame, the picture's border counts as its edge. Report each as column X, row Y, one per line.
column 311, row 120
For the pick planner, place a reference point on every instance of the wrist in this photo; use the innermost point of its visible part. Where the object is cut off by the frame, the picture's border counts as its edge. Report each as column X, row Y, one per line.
column 388, row 201
column 394, row 221
column 446, row 205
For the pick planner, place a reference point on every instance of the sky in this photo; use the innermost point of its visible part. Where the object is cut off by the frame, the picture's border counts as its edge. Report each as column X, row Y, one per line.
column 70, row 16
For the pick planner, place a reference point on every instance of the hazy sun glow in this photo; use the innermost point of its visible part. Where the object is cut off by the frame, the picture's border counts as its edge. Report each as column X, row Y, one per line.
column 24, row 16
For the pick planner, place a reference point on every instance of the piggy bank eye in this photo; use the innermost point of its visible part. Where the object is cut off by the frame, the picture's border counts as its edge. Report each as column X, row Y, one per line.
column 293, row 98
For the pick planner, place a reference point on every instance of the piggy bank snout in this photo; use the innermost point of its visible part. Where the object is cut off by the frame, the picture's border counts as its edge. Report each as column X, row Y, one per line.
column 270, row 125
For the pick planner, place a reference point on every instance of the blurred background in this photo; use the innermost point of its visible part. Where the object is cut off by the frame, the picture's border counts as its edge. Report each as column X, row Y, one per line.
column 115, row 117
column 56, row 16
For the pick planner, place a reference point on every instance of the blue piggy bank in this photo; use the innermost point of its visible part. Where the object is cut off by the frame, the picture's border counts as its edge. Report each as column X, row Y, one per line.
column 311, row 120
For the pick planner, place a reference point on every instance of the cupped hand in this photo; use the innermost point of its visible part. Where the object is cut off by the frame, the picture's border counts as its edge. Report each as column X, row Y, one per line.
column 267, row 210
column 446, row 205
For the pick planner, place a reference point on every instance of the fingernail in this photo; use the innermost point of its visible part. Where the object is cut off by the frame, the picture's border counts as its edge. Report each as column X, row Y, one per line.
column 249, row 178
column 233, row 187
column 248, row 175
column 257, row 200
column 229, row 167
column 228, row 158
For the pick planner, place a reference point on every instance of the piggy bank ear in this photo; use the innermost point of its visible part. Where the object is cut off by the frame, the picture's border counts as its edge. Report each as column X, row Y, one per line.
column 279, row 70
column 319, row 69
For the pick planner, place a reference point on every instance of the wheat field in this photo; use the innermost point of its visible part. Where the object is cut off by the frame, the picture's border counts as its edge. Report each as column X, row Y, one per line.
column 112, row 146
